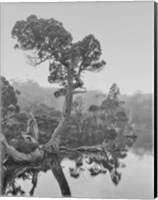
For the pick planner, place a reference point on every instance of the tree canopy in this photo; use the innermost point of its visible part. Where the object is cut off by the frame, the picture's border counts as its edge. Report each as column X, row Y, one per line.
column 48, row 40
column 9, row 97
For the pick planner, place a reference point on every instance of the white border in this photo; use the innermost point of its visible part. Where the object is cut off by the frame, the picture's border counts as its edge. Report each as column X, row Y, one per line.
column 52, row 1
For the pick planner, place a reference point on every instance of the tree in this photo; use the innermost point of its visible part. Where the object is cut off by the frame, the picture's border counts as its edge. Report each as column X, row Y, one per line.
column 9, row 108
column 79, row 116
column 93, row 109
column 111, row 109
column 46, row 40
column 77, row 106
column 9, row 100
column 16, row 142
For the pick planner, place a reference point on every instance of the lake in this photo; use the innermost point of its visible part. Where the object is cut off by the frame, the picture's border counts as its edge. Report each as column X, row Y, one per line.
column 136, row 181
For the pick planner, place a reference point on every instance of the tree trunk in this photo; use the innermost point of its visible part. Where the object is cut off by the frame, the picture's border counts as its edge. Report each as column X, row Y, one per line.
column 54, row 142
column 60, row 177
column 34, row 182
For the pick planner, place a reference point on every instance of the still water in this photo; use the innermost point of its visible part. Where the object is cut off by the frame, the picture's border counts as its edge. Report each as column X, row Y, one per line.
column 136, row 180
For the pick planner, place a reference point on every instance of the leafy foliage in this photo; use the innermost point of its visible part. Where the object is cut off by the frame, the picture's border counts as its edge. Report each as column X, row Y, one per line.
column 14, row 121
column 93, row 108
column 107, row 121
column 9, row 101
column 47, row 39
column 112, row 112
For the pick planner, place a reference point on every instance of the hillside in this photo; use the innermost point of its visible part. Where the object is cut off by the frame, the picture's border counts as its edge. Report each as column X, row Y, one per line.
column 32, row 93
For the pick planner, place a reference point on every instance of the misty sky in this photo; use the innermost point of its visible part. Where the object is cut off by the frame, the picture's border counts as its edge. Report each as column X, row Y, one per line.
column 124, row 29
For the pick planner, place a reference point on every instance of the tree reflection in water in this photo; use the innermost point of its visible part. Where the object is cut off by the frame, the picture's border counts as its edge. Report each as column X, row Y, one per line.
column 13, row 172
column 101, row 159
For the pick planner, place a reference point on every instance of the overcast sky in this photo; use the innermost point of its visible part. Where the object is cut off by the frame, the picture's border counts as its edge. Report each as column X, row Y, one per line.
column 124, row 29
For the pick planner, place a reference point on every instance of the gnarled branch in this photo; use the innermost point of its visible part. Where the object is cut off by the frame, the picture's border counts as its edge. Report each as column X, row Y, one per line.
column 19, row 156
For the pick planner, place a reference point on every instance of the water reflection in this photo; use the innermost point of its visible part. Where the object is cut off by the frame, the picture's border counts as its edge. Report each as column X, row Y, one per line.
column 94, row 160
column 12, row 173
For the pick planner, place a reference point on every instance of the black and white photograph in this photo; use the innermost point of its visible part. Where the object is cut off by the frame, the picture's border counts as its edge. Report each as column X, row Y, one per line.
column 77, row 100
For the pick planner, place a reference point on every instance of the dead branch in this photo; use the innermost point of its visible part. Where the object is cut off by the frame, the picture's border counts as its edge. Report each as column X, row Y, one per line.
column 19, row 156
column 32, row 126
column 95, row 148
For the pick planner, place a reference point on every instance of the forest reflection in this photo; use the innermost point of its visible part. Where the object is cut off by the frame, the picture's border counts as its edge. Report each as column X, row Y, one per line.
column 95, row 160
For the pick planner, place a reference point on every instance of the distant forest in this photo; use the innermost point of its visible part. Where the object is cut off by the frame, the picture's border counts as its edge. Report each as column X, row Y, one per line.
column 138, row 106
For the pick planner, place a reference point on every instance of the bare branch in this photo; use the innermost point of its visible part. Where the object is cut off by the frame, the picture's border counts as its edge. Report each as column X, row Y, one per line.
column 79, row 91
column 34, row 61
column 18, row 156
column 35, row 125
column 32, row 127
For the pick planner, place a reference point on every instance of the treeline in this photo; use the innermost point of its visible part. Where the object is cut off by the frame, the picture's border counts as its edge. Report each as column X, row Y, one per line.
column 141, row 112
column 89, row 124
